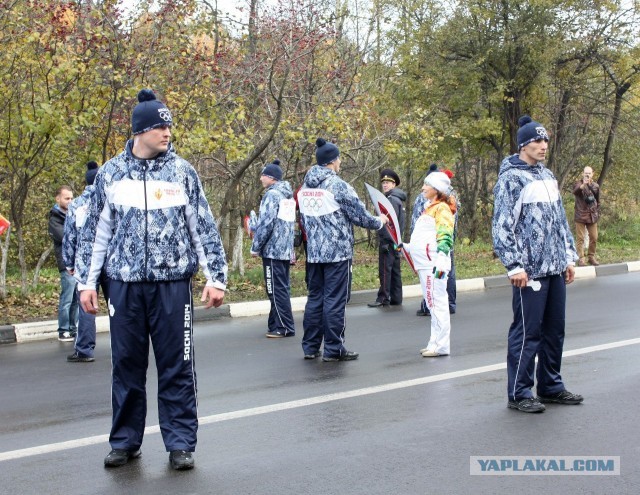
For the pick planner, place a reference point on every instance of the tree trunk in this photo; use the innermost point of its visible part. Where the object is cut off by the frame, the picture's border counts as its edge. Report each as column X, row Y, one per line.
column 237, row 259
column 615, row 120
column 257, row 151
column 253, row 14
column 512, row 113
column 24, row 287
column 559, row 133
column 41, row 260
column 216, row 25
column 107, row 134
column 3, row 264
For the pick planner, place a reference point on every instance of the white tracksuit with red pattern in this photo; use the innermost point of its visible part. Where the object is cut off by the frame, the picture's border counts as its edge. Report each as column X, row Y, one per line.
column 430, row 244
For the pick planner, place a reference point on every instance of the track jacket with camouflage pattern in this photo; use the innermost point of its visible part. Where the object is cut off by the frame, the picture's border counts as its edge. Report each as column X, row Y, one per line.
column 73, row 223
column 530, row 229
column 329, row 209
column 273, row 237
column 150, row 221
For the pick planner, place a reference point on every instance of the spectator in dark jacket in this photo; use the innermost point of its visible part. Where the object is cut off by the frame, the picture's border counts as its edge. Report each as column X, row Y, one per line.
column 68, row 305
column 390, row 291
column 587, row 212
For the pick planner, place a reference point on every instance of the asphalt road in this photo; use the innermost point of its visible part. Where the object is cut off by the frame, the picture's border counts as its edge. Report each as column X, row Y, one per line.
column 390, row 423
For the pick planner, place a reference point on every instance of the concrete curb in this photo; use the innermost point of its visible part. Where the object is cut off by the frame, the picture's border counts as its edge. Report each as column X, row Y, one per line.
column 42, row 330
column 7, row 334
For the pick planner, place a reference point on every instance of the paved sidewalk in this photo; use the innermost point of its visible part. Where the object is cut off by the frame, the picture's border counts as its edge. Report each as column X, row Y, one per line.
column 42, row 330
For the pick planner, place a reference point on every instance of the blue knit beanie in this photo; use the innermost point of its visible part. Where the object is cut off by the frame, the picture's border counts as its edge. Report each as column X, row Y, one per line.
column 326, row 152
column 90, row 174
column 149, row 113
column 530, row 131
column 273, row 170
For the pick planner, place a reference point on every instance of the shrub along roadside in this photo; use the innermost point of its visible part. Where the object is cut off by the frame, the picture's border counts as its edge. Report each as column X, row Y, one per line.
column 471, row 261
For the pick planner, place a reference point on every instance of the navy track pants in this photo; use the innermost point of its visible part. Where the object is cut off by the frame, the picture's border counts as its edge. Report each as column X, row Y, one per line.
column 276, row 277
column 324, row 314
column 537, row 329
column 86, row 337
column 163, row 313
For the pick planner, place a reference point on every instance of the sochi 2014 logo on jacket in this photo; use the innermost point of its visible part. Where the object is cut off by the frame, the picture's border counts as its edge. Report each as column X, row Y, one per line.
column 317, row 202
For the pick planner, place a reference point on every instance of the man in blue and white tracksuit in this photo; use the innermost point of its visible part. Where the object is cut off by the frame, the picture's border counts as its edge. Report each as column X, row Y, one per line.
column 151, row 226
column 329, row 208
column 85, row 342
column 273, row 241
column 533, row 240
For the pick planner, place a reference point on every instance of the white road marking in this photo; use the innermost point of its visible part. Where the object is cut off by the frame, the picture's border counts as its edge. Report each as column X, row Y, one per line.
column 283, row 406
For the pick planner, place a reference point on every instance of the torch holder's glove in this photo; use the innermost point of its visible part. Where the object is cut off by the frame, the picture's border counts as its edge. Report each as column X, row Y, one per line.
column 442, row 265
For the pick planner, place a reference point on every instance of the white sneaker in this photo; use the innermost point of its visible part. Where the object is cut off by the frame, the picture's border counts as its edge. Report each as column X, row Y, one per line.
column 428, row 353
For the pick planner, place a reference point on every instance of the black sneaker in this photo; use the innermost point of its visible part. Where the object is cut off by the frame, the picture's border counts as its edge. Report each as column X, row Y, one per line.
column 278, row 334
column 377, row 304
column 565, row 397
column 119, row 457
column 347, row 356
column 528, row 405
column 181, row 460
column 76, row 357
column 66, row 336
column 312, row 355
column 423, row 313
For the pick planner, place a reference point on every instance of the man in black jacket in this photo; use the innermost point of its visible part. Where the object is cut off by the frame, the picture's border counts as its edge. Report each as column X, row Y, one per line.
column 390, row 292
column 68, row 305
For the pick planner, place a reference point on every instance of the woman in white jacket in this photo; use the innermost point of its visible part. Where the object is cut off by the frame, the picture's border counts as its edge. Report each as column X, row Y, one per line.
column 430, row 244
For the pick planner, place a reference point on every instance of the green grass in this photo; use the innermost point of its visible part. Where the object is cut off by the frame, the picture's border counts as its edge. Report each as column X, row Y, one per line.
column 618, row 242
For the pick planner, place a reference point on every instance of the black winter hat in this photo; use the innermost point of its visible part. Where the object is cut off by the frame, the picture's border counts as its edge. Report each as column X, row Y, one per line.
column 530, row 131
column 90, row 174
column 326, row 152
column 149, row 113
column 273, row 170
column 388, row 174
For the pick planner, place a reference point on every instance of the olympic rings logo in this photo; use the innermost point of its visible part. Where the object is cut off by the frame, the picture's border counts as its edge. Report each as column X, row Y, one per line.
column 312, row 203
column 165, row 114
column 542, row 132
